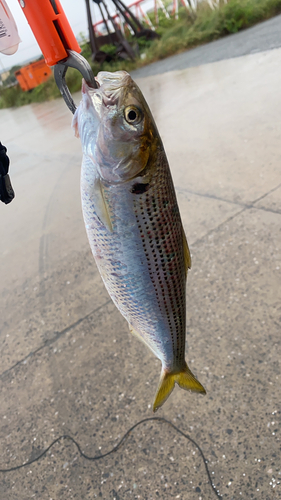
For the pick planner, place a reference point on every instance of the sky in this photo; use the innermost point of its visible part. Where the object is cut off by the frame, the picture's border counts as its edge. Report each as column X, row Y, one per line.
column 75, row 11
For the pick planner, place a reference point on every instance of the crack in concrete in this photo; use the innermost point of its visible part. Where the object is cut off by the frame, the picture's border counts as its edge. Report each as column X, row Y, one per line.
column 51, row 341
column 263, row 196
column 240, row 204
column 278, row 212
column 245, row 207
column 213, row 230
column 211, row 196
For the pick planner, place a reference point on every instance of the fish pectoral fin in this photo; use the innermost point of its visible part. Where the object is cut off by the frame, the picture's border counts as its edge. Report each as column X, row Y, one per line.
column 101, row 206
column 185, row 379
column 186, row 253
column 74, row 123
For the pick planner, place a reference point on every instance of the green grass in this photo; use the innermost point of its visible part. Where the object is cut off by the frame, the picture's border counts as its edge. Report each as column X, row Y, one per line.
column 47, row 91
column 210, row 25
column 175, row 36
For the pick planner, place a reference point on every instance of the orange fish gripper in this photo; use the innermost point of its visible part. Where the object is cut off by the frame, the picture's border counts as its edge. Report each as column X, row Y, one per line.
column 57, row 42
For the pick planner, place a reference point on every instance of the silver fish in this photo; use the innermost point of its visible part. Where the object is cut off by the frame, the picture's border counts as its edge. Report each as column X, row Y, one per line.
column 133, row 222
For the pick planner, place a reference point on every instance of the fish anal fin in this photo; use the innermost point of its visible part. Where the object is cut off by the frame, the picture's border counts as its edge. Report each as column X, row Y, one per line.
column 135, row 332
column 186, row 253
column 142, row 339
column 185, row 379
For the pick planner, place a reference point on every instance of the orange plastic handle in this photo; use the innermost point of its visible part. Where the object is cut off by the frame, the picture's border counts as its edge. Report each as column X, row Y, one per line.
column 50, row 28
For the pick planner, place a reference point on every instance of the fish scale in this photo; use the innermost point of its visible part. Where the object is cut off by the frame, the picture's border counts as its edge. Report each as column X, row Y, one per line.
column 160, row 229
column 133, row 222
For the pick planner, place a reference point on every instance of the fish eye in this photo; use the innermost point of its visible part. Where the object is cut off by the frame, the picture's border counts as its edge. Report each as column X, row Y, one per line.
column 133, row 115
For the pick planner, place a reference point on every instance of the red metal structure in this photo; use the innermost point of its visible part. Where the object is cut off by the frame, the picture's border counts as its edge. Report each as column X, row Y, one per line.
column 125, row 16
column 139, row 13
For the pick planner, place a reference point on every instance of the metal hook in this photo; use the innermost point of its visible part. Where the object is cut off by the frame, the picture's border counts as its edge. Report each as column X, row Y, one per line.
column 74, row 60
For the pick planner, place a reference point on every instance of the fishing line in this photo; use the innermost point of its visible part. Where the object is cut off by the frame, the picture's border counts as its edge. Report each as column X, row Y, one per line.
column 118, row 446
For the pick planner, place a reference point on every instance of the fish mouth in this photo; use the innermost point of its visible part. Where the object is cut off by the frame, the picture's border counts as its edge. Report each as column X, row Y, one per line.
column 111, row 87
column 113, row 81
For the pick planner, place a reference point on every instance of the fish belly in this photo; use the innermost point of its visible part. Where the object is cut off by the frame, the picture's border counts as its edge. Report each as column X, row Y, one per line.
column 141, row 260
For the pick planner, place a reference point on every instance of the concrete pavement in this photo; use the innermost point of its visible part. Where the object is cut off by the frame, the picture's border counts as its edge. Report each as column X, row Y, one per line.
column 68, row 363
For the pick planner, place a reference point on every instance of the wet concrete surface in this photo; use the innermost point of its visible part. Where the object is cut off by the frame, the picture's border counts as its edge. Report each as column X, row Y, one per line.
column 68, row 363
column 264, row 36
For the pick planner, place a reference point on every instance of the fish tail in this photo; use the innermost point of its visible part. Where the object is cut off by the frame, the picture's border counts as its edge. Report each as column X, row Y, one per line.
column 185, row 379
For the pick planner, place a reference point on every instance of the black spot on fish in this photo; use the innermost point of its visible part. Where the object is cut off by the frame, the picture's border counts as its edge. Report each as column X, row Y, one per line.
column 139, row 188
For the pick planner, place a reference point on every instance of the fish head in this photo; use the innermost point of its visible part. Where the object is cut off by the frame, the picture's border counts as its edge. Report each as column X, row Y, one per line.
column 116, row 127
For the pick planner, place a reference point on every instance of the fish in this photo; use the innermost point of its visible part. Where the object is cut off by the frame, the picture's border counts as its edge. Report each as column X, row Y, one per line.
column 133, row 221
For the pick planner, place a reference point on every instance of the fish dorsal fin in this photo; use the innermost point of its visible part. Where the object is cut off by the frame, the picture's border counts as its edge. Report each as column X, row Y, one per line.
column 101, row 206
column 186, row 253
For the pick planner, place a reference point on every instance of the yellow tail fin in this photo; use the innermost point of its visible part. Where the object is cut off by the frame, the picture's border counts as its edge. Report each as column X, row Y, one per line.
column 185, row 379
